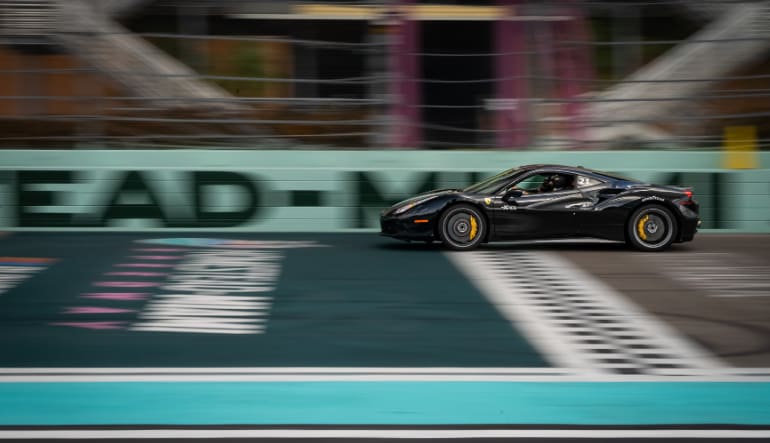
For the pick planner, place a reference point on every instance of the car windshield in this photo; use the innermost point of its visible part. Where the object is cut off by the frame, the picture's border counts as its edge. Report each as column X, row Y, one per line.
column 494, row 183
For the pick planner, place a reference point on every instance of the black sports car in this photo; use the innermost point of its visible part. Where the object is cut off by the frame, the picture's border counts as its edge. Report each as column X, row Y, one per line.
column 547, row 201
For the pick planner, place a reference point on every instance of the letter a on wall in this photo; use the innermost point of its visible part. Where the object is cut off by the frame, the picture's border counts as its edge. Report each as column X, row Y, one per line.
column 133, row 199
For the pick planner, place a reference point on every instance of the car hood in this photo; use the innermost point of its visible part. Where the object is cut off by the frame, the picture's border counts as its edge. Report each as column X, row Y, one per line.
column 424, row 197
column 428, row 195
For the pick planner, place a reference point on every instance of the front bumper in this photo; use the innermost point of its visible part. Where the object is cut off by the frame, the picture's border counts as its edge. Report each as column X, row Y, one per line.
column 408, row 227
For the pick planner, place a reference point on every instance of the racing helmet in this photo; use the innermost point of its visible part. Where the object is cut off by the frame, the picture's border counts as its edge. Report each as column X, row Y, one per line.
column 560, row 182
column 547, row 185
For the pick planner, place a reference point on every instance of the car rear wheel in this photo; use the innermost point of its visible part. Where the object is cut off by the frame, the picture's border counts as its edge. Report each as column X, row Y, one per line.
column 462, row 227
column 651, row 228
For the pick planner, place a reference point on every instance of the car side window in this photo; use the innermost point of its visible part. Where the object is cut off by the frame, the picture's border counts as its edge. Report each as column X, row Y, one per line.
column 545, row 183
column 585, row 182
column 531, row 184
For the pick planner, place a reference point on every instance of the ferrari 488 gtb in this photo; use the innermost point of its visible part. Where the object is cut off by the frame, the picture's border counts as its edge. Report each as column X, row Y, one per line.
column 547, row 201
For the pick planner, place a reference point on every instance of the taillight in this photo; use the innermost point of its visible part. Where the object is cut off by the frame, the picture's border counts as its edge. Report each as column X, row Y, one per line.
column 687, row 199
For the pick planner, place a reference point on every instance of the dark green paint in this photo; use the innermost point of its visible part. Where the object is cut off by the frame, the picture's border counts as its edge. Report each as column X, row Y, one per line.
column 26, row 198
column 133, row 183
column 219, row 219
column 361, row 301
column 305, row 198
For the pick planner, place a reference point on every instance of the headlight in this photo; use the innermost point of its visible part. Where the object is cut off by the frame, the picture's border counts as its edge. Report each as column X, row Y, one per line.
column 409, row 206
column 405, row 208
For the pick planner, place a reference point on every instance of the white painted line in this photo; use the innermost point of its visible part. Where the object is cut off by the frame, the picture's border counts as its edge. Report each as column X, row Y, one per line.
column 285, row 370
column 496, row 287
column 384, row 433
column 684, row 349
column 309, row 374
column 552, row 301
column 596, row 377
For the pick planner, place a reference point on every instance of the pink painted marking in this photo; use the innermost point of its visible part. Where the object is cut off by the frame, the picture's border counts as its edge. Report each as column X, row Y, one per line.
column 116, row 295
column 95, row 310
column 146, row 265
column 127, row 284
column 137, row 273
column 161, row 250
column 93, row 324
column 157, row 257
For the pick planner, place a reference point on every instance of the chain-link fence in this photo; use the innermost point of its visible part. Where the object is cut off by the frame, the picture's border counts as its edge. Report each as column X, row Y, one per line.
column 298, row 75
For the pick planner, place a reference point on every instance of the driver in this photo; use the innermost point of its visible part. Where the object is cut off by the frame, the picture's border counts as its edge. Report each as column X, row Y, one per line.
column 561, row 182
column 547, row 185
column 555, row 182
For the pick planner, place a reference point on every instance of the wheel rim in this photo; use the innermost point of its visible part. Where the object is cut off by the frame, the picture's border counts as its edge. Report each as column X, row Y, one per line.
column 653, row 228
column 462, row 228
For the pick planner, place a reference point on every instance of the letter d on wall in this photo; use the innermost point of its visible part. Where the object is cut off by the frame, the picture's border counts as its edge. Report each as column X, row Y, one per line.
column 214, row 189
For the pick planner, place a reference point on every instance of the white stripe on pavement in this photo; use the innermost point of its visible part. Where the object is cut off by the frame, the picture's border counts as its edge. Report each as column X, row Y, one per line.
column 576, row 320
column 383, row 433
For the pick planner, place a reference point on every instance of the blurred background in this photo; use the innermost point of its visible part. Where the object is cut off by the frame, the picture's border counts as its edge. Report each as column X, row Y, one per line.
column 404, row 74
column 266, row 94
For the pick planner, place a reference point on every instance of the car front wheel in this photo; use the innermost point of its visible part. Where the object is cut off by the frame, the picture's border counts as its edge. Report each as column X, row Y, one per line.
column 462, row 227
column 651, row 228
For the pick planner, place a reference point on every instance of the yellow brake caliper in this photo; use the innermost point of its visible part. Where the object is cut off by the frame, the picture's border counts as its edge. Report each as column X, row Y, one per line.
column 474, row 228
column 640, row 227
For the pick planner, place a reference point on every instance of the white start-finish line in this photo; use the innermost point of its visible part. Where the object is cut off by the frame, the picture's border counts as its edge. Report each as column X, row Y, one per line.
column 576, row 320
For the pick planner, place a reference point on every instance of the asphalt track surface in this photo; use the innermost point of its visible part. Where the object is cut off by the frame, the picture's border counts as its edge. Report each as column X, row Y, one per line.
column 715, row 290
column 355, row 337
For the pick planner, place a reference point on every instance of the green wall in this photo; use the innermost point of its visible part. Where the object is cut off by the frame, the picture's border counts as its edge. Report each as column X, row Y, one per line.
column 318, row 190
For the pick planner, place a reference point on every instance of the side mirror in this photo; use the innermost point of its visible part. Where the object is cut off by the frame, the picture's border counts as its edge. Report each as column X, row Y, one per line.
column 512, row 195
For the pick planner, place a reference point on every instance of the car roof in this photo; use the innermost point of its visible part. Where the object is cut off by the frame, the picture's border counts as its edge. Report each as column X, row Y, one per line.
column 569, row 169
column 554, row 167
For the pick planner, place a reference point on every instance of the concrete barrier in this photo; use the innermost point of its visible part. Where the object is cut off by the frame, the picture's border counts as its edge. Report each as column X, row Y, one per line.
column 316, row 191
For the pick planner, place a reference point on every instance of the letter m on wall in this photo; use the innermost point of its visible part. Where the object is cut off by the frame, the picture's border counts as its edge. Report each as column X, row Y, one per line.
column 376, row 191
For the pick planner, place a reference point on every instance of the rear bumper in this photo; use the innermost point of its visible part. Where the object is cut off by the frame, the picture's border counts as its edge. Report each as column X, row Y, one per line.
column 689, row 223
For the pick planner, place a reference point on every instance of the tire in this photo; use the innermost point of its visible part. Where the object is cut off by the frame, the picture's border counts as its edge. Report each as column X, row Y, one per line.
column 651, row 228
column 462, row 227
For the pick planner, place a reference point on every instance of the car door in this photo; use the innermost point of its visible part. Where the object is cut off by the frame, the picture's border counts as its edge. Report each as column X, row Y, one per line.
column 538, row 213
column 593, row 221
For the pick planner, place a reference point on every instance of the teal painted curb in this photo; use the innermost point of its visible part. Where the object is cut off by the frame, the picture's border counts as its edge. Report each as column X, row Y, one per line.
column 384, row 403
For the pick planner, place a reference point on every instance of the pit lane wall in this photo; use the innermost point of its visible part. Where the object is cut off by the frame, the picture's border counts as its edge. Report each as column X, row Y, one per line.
column 316, row 191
